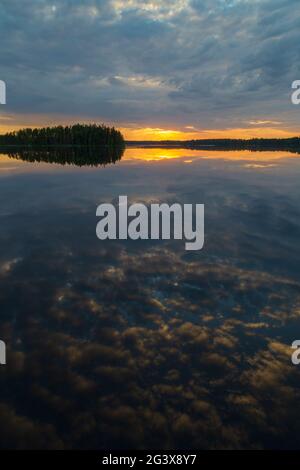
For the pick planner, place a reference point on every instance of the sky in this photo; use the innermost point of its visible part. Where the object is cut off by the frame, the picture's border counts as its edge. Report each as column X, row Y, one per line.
column 159, row 70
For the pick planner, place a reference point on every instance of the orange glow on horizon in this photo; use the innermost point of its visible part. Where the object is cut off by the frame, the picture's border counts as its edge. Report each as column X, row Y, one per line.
column 10, row 123
column 158, row 134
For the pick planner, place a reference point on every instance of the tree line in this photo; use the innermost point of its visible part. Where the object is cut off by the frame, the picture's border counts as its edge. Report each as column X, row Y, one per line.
column 77, row 134
column 291, row 144
column 287, row 144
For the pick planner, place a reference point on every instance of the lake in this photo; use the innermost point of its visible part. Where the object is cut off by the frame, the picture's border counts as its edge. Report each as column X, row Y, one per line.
column 141, row 344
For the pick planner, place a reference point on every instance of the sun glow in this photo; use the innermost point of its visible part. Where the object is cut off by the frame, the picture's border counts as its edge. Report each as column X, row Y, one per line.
column 134, row 131
column 157, row 133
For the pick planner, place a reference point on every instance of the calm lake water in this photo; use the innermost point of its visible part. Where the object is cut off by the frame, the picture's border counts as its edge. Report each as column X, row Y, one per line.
column 141, row 344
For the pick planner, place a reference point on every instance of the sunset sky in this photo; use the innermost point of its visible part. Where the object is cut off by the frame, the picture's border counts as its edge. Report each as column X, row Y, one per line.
column 159, row 70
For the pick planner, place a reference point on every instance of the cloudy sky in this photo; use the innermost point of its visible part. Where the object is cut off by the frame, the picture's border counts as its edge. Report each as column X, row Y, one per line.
column 154, row 68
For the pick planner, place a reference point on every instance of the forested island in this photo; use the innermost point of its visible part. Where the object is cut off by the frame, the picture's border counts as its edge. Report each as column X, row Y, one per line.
column 79, row 144
column 92, row 135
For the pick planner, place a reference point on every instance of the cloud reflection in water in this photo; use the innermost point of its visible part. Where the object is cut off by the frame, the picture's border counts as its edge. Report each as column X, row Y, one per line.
column 141, row 344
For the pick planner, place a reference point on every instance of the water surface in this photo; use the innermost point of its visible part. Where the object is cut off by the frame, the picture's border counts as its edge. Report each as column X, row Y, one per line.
column 141, row 344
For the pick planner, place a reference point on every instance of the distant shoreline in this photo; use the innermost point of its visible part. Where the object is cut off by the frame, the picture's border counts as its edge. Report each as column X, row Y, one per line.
column 256, row 145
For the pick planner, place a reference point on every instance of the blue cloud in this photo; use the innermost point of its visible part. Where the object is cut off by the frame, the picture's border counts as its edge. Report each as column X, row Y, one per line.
column 212, row 63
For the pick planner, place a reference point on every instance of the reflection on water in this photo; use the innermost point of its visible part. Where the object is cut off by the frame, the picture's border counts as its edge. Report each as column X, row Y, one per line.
column 123, row 344
column 66, row 155
column 153, row 153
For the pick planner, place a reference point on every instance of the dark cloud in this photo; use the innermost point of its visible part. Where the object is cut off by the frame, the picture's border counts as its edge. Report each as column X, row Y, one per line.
column 212, row 63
